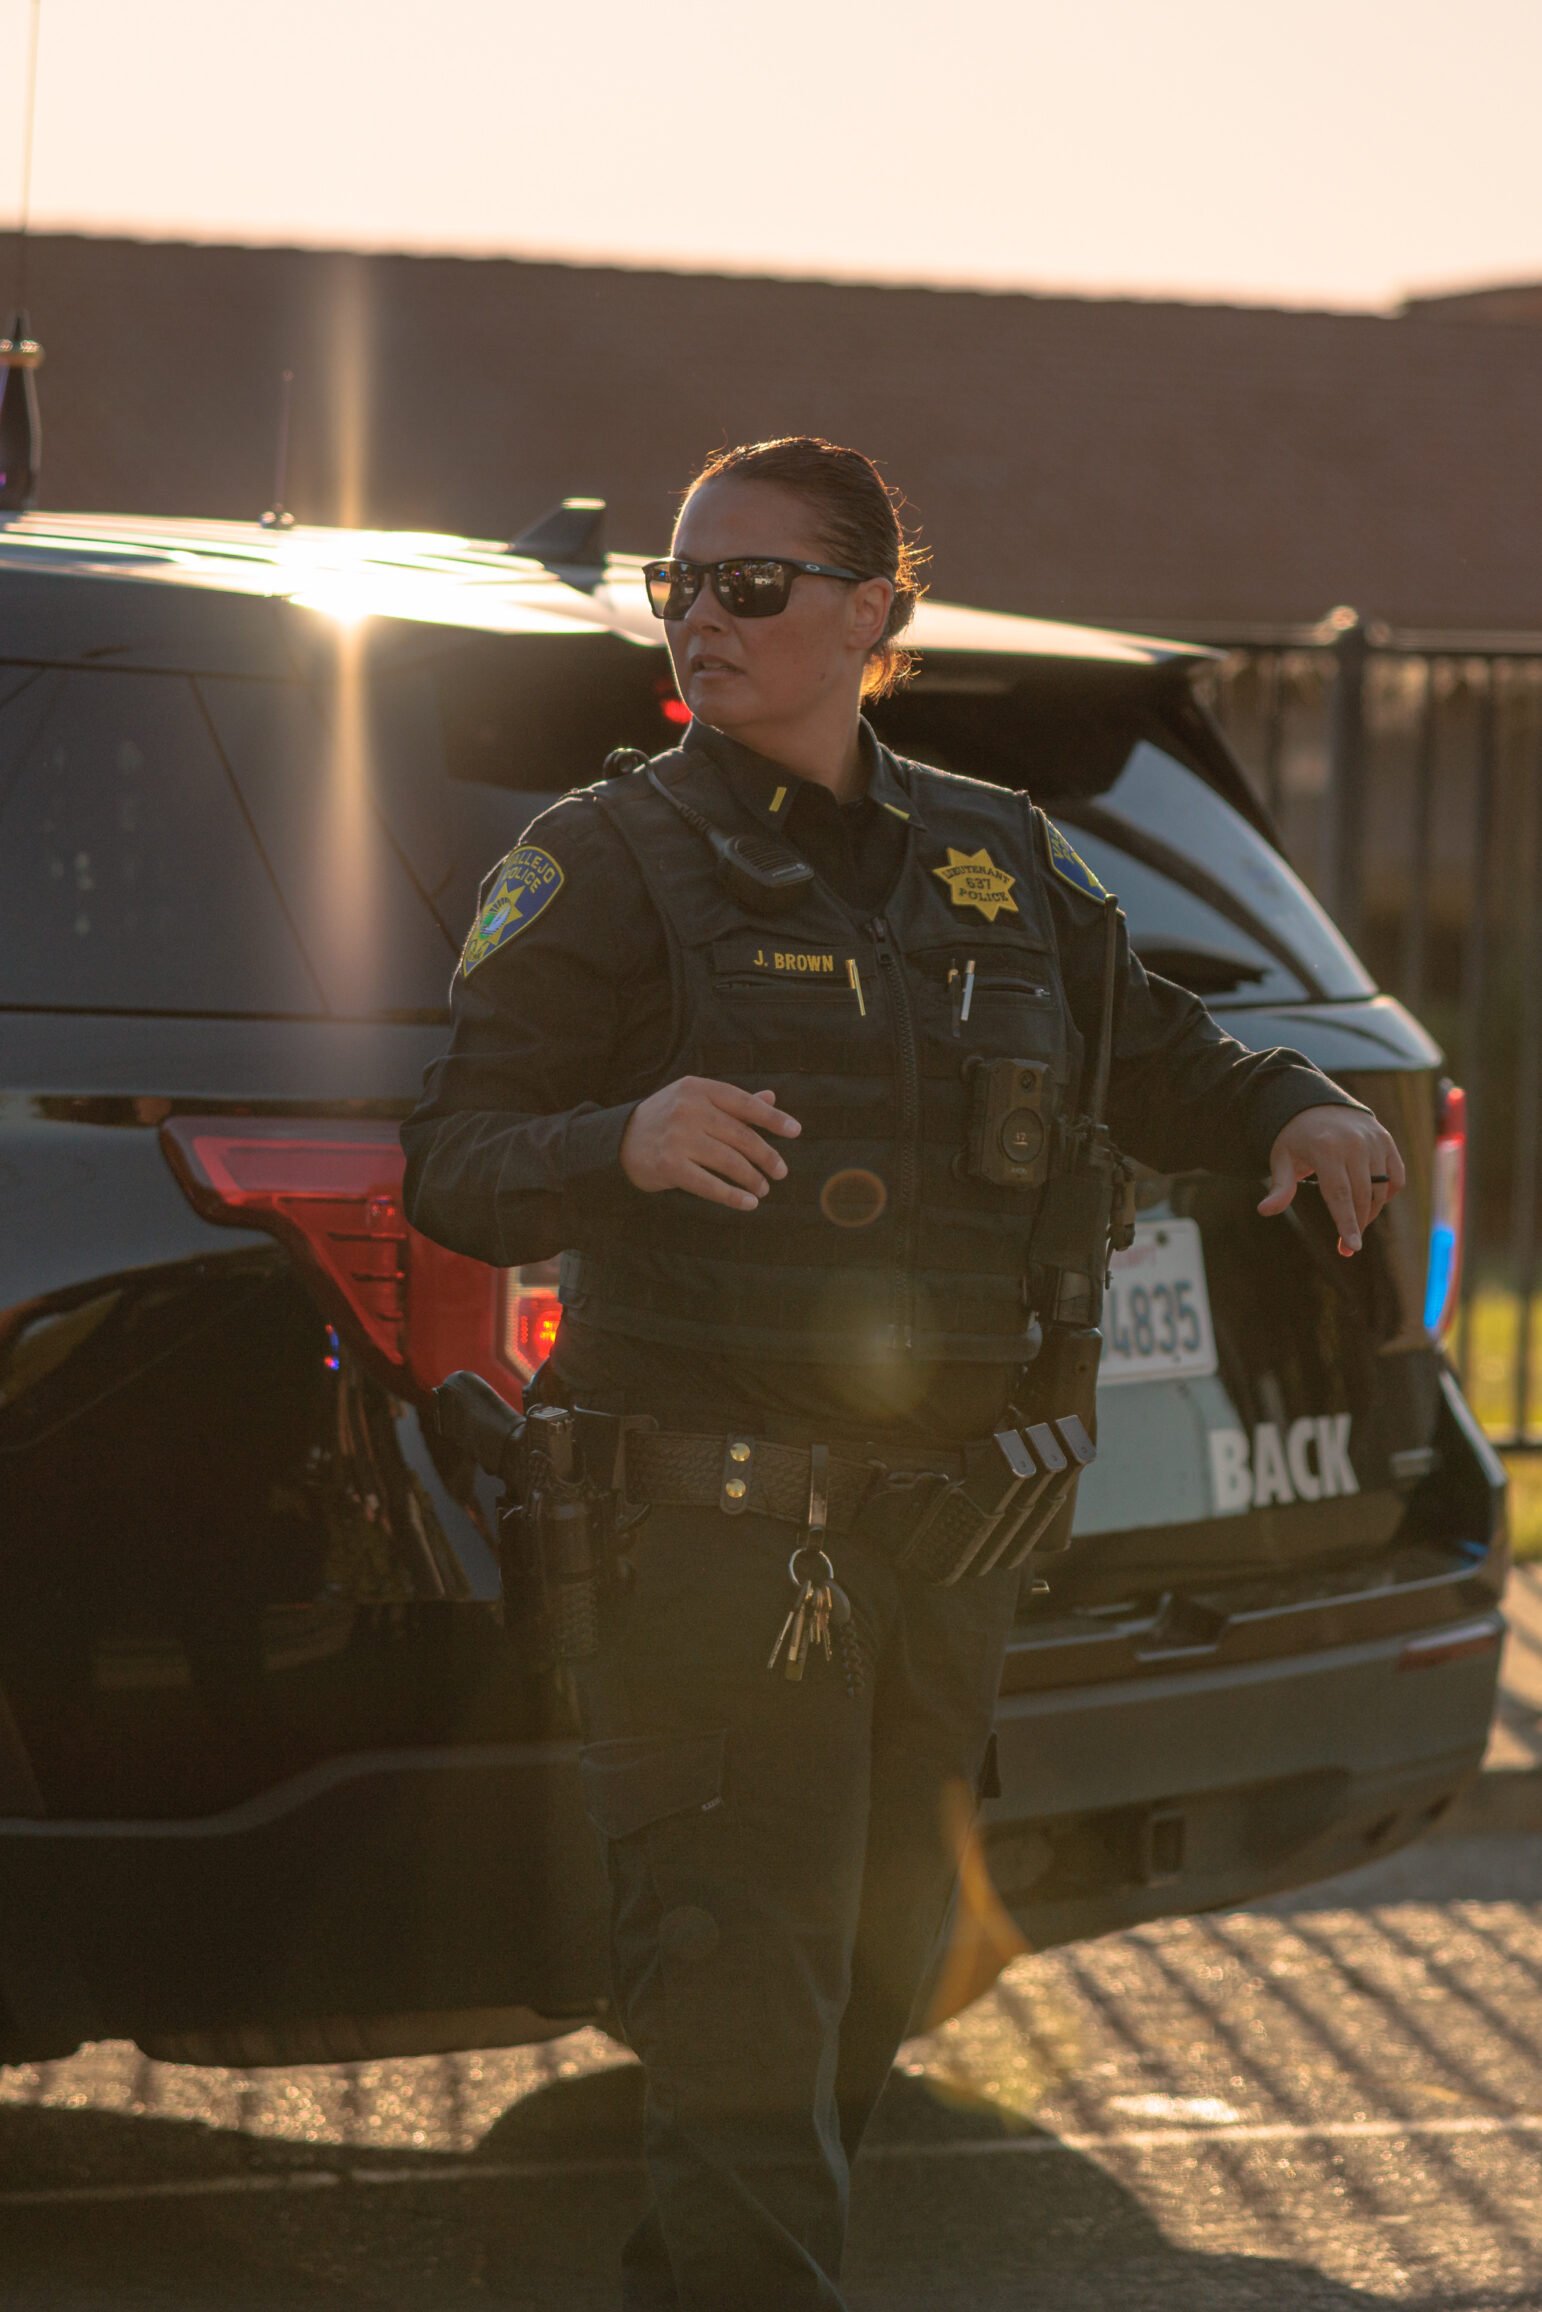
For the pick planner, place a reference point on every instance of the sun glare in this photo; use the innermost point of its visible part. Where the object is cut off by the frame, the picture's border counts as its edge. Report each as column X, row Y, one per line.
column 344, row 596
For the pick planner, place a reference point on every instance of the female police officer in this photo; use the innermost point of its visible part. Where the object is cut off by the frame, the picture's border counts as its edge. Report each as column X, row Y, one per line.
column 709, row 1038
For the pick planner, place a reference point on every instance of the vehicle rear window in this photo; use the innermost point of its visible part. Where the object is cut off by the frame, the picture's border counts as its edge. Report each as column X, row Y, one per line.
column 191, row 843
column 129, row 874
column 315, row 767
column 304, row 832
column 1168, row 818
column 1180, row 935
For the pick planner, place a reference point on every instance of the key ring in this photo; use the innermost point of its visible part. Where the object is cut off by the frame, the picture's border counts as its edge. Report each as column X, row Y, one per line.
column 805, row 1549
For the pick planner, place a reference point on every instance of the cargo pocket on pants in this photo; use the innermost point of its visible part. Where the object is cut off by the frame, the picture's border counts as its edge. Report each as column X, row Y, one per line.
column 643, row 1778
column 682, row 1939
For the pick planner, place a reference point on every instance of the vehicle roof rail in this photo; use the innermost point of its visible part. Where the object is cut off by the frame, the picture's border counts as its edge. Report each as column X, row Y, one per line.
column 569, row 537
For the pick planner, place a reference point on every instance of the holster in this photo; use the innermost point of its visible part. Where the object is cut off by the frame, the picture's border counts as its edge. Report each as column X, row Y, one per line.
column 559, row 1540
column 563, row 1514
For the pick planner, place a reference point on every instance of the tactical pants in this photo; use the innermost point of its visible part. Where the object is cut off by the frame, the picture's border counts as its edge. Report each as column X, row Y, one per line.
column 782, row 1859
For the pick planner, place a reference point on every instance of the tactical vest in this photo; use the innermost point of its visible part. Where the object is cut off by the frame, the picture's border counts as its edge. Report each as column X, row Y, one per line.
column 877, row 1244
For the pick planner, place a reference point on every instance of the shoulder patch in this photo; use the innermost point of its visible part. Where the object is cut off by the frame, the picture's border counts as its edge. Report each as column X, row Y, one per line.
column 528, row 881
column 1070, row 866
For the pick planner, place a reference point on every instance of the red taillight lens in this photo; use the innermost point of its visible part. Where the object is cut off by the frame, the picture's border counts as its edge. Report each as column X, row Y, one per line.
column 337, row 1201
column 531, row 1315
column 1448, row 1203
column 331, row 1193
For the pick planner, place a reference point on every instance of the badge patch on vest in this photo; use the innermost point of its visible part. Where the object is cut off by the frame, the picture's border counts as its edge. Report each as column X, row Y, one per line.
column 974, row 880
column 1070, row 866
column 528, row 880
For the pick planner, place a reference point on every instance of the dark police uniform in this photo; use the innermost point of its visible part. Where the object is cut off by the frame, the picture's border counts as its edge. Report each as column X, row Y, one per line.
column 783, row 1853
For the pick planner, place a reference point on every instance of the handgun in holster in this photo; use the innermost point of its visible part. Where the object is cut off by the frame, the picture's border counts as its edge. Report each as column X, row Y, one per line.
column 562, row 1513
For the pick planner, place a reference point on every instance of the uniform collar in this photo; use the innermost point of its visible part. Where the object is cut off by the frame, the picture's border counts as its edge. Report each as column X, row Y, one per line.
column 768, row 790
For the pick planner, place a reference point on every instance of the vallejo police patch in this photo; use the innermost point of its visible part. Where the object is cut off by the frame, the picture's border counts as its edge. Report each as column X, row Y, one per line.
column 1070, row 866
column 528, row 880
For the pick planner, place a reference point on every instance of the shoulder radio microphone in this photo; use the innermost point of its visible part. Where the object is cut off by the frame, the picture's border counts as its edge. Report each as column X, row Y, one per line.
column 757, row 871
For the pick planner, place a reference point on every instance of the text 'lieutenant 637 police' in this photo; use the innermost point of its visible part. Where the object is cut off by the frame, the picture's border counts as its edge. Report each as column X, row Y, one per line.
column 817, row 1066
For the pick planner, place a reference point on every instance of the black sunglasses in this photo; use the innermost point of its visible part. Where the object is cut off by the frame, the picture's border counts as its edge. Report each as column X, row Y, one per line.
column 748, row 586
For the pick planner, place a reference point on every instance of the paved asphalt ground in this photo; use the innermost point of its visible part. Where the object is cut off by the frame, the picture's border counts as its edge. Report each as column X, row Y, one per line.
column 1327, row 2102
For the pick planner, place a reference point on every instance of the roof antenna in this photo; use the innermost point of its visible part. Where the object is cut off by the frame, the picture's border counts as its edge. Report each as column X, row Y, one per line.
column 278, row 516
column 21, row 425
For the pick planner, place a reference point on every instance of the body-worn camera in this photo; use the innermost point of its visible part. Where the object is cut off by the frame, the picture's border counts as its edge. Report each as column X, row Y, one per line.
column 1012, row 1110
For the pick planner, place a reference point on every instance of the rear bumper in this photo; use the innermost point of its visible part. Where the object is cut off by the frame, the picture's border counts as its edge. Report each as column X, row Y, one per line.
column 1205, row 1787
column 412, row 1882
column 391, row 1883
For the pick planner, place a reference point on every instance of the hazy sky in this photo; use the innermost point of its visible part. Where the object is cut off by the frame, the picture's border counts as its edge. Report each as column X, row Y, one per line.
column 1325, row 151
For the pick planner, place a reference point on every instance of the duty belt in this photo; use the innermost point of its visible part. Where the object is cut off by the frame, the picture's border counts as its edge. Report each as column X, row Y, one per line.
column 974, row 1510
column 969, row 1511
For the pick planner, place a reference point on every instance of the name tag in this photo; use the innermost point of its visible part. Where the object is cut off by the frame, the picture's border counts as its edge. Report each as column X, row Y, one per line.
column 765, row 959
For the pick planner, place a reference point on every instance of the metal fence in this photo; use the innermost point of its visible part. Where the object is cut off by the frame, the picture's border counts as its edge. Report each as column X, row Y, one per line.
column 1404, row 771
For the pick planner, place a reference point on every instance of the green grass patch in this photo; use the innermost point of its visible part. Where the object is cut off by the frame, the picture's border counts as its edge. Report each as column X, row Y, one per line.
column 1492, row 1347
column 1525, row 1503
column 1489, row 1356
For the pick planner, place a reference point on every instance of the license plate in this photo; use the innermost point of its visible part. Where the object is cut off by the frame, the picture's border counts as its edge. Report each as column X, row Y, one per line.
column 1156, row 1314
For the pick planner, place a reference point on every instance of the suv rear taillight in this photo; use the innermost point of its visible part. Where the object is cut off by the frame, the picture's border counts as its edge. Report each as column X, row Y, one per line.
column 531, row 1314
column 332, row 1194
column 1448, row 1200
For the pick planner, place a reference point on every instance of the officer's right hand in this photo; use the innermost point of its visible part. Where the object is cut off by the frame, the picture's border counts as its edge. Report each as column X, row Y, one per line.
column 706, row 1137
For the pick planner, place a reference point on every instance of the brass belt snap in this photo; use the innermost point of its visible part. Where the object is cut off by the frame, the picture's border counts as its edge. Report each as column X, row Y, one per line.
column 738, row 1469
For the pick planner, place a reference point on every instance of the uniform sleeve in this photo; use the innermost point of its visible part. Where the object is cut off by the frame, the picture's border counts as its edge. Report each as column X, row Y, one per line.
column 1183, row 1094
column 514, row 1148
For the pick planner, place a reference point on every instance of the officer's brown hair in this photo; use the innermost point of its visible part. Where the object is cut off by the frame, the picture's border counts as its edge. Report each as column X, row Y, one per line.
column 859, row 522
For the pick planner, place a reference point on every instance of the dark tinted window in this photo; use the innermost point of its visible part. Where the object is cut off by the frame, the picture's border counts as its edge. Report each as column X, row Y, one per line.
column 204, row 842
column 474, row 734
column 542, row 712
column 1182, row 936
column 319, row 768
column 1233, row 868
column 448, row 820
column 190, row 843
column 129, row 876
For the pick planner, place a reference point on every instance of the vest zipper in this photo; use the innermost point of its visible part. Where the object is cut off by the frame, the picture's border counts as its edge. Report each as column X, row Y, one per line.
column 903, row 1021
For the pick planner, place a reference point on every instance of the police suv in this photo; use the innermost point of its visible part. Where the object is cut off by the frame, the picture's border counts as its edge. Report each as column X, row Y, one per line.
column 272, row 1787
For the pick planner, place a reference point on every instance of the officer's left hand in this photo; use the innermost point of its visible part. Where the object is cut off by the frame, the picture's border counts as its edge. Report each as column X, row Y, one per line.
column 1356, row 1162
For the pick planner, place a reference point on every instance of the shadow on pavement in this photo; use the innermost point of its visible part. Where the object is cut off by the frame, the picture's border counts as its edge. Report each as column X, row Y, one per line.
column 240, row 2223
column 1037, row 2231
